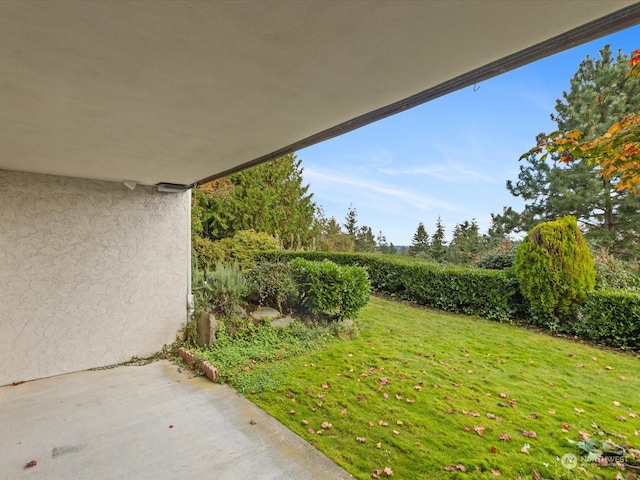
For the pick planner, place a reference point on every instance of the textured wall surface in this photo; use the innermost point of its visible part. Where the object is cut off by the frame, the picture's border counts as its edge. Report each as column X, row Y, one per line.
column 91, row 273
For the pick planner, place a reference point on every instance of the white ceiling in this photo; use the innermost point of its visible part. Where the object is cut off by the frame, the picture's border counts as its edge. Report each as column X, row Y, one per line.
column 177, row 91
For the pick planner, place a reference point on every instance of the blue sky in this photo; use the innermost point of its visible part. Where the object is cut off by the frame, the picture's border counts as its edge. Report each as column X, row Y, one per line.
column 449, row 157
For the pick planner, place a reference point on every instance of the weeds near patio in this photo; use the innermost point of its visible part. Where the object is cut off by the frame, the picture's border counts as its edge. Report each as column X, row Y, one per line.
column 422, row 394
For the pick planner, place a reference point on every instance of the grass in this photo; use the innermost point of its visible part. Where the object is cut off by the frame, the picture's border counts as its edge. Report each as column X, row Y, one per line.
column 422, row 391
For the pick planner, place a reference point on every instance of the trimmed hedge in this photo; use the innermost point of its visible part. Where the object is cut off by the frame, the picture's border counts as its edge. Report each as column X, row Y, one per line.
column 611, row 317
column 608, row 317
column 488, row 293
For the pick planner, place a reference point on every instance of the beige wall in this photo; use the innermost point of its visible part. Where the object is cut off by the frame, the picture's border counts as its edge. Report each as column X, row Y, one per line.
column 91, row 273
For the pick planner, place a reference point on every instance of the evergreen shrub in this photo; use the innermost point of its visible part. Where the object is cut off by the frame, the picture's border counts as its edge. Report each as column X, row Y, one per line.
column 554, row 267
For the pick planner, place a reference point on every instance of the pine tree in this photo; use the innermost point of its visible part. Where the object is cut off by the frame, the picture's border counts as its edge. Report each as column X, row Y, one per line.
column 465, row 244
column 420, row 241
column 365, row 241
column 601, row 93
column 438, row 249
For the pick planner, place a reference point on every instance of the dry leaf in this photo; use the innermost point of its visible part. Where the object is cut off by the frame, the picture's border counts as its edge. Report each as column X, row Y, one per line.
column 361, row 439
column 505, row 437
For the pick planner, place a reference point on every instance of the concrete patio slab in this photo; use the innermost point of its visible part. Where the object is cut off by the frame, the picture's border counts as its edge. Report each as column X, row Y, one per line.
column 146, row 422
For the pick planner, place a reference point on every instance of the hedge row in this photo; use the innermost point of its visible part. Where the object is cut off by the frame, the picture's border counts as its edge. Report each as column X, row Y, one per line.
column 608, row 317
column 489, row 293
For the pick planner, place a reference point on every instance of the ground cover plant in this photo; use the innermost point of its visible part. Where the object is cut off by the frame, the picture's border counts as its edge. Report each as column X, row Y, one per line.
column 423, row 394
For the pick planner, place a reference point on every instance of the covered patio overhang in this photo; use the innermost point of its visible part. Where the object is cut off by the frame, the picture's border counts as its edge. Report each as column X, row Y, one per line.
column 182, row 91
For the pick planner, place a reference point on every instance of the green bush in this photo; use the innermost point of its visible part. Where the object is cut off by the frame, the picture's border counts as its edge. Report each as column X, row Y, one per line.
column 226, row 287
column 554, row 267
column 206, row 252
column 612, row 318
column 499, row 258
column 340, row 291
column 272, row 284
column 242, row 248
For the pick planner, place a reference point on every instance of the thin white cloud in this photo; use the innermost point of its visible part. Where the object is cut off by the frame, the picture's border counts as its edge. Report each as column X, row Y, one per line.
column 456, row 173
column 417, row 200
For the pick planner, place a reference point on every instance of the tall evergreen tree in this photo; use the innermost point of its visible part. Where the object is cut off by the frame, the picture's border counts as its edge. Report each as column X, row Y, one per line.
column 466, row 243
column 268, row 198
column 365, row 240
column 601, row 93
column 420, row 241
column 438, row 248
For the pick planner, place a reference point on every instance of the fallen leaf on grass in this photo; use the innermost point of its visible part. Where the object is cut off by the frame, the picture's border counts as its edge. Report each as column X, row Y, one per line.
column 379, row 445
column 607, row 367
column 343, row 411
column 417, row 388
column 370, row 424
column 505, row 437
column 385, row 381
column 621, row 418
column 579, row 410
column 382, row 423
column 530, row 434
column 292, row 412
column 479, row 430
column 305, row 422
column 495, row 473
column 326, row 425
column 396, row 432
column 633, row 415
column 533, row 415
column 525, row 448
column 617, row 404
column 494, row 449
column 448, row 399
column 398, row 397
column 361, row 439
column 386, row 396
column 410, row 400
column 551, row 412
column 387, row 471
column 310, row 430
column 503, row 395
column 453, row 468
column 536, row 475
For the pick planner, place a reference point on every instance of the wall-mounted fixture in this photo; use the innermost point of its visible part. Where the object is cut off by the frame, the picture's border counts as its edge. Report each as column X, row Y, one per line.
column 172, row 187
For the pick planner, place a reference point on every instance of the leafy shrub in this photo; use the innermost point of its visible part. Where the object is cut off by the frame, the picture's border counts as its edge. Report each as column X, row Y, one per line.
column 272, row 284
column 206, row 252
column 340, row 291
column 554, row 267
column 247, row 244
column 611, row 317
column 226, row 287
column 242, row 248
column 499, row 258
column 613, row 273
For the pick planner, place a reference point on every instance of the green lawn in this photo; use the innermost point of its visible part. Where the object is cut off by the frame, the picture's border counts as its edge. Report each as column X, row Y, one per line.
column 422, row 391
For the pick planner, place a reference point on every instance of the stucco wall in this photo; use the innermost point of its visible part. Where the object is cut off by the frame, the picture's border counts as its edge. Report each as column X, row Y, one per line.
column 91, row 273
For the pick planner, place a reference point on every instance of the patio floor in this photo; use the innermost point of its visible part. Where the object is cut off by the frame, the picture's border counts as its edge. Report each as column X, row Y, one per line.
column 146, row 422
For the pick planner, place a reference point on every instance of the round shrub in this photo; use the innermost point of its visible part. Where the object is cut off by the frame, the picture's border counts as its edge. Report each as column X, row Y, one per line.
column 555, row 267
column 339, row 290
